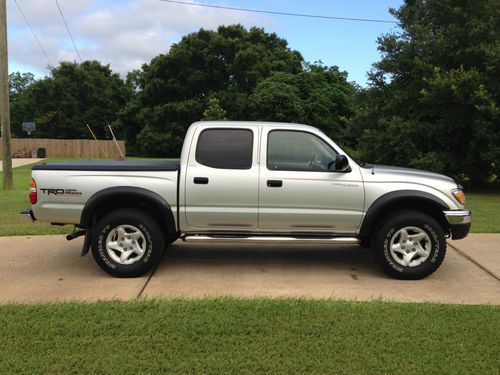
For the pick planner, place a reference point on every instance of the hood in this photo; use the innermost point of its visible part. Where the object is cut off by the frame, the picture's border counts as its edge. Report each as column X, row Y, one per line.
column 389, row 173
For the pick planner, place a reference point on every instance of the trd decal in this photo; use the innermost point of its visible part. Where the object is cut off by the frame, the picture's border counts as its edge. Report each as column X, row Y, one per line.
column 60, row 191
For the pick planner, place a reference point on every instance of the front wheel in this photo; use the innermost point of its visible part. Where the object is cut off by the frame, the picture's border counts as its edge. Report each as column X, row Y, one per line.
column 410, row 245
column 127, row 243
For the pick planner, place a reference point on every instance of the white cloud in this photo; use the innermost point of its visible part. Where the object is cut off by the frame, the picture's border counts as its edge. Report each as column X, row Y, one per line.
column 124, row 34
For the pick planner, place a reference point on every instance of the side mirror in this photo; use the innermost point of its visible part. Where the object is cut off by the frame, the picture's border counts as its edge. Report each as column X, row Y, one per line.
column 341, row 164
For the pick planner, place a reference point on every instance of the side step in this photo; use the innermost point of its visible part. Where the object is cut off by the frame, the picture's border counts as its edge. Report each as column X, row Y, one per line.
column 271, row 239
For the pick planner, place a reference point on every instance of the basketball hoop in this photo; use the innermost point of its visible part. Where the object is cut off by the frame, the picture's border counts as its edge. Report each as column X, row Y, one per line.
column 28, row 127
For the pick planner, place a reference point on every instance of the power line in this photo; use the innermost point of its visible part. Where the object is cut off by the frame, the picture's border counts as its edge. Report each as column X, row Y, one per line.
column 33, row 32
column 69, row 32
column 279, row 13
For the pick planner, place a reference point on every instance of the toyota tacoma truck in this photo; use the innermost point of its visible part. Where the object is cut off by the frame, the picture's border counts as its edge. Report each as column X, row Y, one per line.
column 251, row 182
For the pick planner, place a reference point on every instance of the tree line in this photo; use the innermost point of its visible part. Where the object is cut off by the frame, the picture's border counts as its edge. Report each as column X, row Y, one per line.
column 432, row 100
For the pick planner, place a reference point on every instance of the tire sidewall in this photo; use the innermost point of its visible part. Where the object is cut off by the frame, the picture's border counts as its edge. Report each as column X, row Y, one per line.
column 429, row 226
column 152, row 235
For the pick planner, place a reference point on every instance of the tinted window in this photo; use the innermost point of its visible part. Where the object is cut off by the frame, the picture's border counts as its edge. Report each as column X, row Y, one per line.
column 298, row 151
column 225, row 148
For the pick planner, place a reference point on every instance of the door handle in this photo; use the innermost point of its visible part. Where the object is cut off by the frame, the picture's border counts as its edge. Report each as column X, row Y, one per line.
column 274, row 183
column 201, row 180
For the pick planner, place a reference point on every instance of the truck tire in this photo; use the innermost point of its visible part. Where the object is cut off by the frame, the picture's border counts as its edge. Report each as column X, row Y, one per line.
column 127, row 243
column 409, row 245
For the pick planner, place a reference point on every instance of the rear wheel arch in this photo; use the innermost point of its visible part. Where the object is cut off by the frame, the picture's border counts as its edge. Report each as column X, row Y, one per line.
column 395, row 201
column 110, row 199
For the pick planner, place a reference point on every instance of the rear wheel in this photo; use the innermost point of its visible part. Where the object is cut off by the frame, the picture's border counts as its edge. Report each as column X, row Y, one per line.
column 409, row 245
column 127, row 243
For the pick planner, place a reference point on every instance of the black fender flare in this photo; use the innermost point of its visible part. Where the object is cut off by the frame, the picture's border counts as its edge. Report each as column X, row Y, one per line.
column 392, row 197
column 124, row 194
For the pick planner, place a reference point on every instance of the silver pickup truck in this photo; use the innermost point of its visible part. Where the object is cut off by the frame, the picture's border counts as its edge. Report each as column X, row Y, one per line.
column 252, row 182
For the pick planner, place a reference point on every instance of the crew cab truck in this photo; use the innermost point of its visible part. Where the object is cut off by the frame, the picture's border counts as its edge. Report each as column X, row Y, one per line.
column 252, row 182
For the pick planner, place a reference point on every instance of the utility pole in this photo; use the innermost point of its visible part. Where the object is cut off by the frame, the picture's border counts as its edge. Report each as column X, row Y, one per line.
column 4, row 99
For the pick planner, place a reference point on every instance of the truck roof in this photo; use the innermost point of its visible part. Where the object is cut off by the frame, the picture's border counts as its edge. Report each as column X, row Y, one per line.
column 262, row 124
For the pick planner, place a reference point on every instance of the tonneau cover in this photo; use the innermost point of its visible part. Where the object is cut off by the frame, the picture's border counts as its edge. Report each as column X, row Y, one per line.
column 111, row 165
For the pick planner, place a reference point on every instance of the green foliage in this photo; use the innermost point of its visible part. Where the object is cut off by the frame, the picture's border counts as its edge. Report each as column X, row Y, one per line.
column 320, row 96
column 433, row 100
column 252, row 75
column 277, row 98
column 72, row 96
column 18, row 84
column 173, row 90
column 214, row 111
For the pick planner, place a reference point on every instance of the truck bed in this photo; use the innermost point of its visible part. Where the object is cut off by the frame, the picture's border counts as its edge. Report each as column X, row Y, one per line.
column 111, row 165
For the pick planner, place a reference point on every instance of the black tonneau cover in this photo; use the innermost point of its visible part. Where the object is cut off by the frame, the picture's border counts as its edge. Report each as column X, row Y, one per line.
column 111, row 165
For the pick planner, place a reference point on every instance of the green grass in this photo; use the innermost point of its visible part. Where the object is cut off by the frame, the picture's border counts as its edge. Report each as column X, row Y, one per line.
column 485, row 208
column 248, row 337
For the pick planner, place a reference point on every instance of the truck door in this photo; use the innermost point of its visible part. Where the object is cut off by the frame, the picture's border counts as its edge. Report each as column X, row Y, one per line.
column 222, row 179
column 298, row 192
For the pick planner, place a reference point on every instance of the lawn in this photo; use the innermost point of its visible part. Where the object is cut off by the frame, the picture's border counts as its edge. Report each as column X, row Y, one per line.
column 249, row 336
column 485, row 208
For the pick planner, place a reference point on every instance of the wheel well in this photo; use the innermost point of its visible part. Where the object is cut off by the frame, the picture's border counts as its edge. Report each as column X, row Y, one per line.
column 423, row 205
column 107, row 201
column 143, row 205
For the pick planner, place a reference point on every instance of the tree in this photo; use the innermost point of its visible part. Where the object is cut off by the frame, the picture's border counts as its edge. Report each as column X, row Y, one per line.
column 214, row 111
column 277, row 99
column 319, row 95
column 19, row 83
column 433, row 100
column 72, row 96
column 174, row 89
column 252, row 74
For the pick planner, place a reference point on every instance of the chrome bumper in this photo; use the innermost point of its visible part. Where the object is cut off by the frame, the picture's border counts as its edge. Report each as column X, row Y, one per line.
column 457, row 217
column 27, row 216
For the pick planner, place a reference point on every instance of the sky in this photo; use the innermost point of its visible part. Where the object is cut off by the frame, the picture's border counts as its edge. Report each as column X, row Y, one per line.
column 129, row 33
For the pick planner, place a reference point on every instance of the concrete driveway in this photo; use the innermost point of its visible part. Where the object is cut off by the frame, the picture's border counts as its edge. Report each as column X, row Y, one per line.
column 49, row 268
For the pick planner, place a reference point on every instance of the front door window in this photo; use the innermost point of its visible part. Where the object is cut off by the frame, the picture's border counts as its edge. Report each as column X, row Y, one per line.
column 298, row 151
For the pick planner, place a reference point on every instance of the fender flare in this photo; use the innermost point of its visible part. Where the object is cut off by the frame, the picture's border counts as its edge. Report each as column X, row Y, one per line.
column 387, row 199
column 128, row 193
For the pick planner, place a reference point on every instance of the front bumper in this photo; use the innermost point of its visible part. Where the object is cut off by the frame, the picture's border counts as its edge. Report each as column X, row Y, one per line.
column 459, row 223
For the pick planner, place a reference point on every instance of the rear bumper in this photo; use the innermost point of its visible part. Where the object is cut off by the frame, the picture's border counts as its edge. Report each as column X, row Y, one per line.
column 27, row 216
column 459, row 223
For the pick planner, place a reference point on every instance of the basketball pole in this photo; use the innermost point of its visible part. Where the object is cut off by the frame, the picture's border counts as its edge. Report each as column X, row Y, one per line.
column 98, row 144
column 116, row 142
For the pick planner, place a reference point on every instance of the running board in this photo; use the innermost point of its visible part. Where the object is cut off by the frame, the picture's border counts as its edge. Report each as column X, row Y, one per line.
column 272, row 239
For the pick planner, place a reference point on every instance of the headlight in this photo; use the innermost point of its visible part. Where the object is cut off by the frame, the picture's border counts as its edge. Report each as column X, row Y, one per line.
column 459, row 195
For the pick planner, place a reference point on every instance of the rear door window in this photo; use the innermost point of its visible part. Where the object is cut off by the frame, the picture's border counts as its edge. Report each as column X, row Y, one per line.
column 225, row 148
